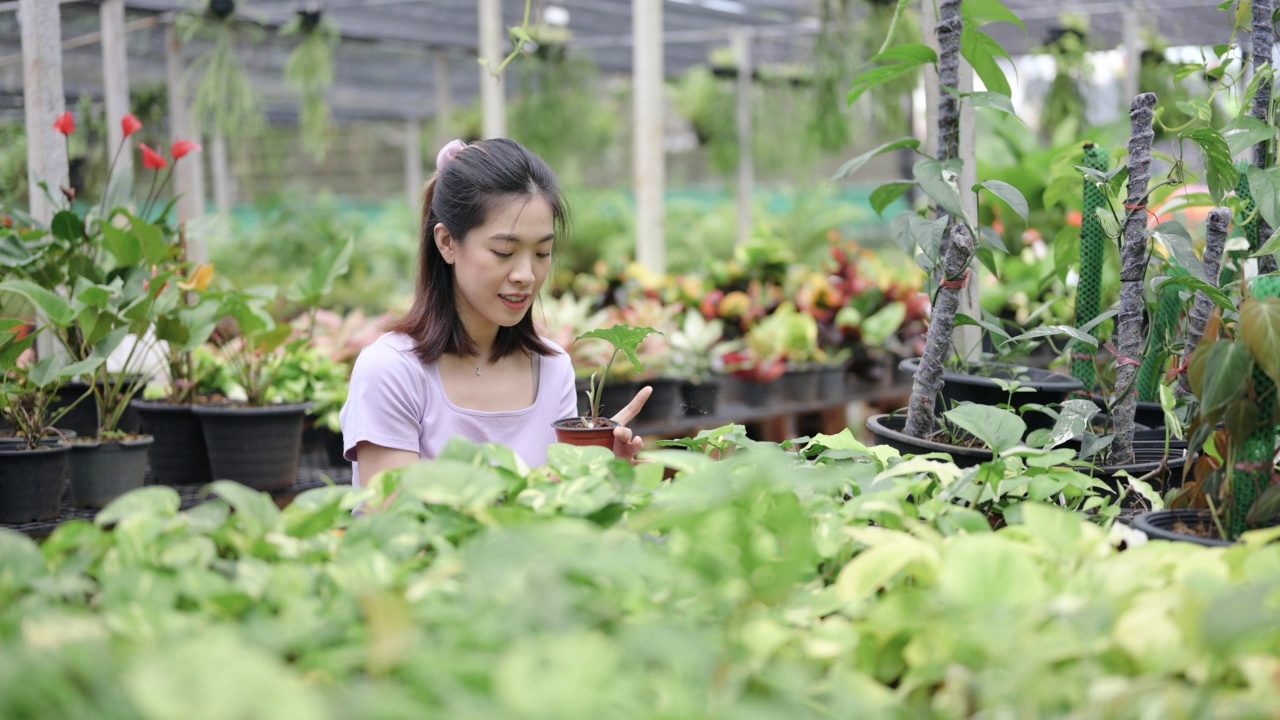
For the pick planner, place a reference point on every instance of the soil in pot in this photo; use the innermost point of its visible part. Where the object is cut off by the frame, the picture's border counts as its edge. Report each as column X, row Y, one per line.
column 31, row 482
column 1191, row 526
column 573, row 431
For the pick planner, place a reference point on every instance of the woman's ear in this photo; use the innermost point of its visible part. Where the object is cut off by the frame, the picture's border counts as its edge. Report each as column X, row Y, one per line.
column 445, row 243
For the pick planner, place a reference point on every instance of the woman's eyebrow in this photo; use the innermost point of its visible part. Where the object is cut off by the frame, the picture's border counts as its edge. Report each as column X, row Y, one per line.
column 507, row 237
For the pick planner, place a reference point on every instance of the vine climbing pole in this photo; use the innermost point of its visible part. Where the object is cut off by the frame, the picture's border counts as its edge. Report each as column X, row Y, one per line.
column 1133, row 271
column 1198, row 317
column 1248, row 224
column 1092, row 244
column 1159, row 339
column 1255, row 457
column 1264, row 35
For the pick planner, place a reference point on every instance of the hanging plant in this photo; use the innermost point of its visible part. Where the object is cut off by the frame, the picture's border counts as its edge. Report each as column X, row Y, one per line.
column 561, row 113
column 225, row 99
column 310, row 71
column 1065, row 103
column 829, row 125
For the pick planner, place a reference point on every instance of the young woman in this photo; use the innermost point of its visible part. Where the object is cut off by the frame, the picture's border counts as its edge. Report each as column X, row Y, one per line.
column 466, row 360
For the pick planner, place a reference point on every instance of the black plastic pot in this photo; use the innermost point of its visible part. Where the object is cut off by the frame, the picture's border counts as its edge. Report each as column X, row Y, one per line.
column 831, row 382
column 1150, row 414
column 1146, row 459
column 663, row 403
column 1159, row 525
column 31, row 482
column 103, row 470
column 757, row 394
column 978, row 386
column 179, row 455
column 700, row 398
column 800, row 384
column 888, row 430
column 254, row 446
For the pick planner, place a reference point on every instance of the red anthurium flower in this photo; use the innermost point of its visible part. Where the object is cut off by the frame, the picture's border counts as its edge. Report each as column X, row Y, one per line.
column 182, row 147
column 130, row 124
column 65, row 124
column 151, row 159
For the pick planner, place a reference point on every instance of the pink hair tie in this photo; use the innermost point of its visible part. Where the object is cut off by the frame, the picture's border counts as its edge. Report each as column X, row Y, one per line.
column 447, row 153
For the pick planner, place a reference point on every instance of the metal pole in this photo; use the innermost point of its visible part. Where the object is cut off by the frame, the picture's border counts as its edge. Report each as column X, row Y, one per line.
column 444, row 100
column 742, row 52
column 649, row 160
column 492, row 87
column 413, row 181
column 188, row 175
column 115, row 82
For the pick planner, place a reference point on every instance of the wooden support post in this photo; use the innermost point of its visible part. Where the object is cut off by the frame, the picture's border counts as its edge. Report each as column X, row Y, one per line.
column 444, row 100
column 44, row 101
column 413, row 180
column 188, row 175
column 492, row 87
column 115, row 83
column 742, row 53
column 1131, row 37
column 648, row 159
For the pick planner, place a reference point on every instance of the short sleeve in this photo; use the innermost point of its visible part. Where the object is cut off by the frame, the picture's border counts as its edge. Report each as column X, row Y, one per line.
column 568, row 392
column 386, row 402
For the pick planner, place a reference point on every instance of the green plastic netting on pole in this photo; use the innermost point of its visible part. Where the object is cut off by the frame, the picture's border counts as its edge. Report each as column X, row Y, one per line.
column 1164, row 327
column 1255, row 456
column 1247, row 222
column 1092, row 243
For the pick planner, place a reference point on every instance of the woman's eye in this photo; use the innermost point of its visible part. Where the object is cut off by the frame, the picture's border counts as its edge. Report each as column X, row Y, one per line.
column 502, row 254
column 544, row 255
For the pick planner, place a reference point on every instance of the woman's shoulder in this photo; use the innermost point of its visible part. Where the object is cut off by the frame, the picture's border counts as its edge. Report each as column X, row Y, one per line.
column 557, row 351
column 390, row 349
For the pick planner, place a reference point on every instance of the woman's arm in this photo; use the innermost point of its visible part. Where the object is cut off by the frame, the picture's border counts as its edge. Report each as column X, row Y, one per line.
column 374, row 459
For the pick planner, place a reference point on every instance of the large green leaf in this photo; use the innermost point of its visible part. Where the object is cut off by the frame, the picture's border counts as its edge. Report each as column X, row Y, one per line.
column 938, row 180
column 55, row 308
column 1000, row 429
column 1244, row 132
column 123, row 245
column 1073, row 420
column 884, row 195
column 1220, row 170
column 622, row 337
column 981, row 50
column 1187, row 282
column 326, row 269
column 151, row 501
column 255, row 509
column 907, row 54
column 993, row 101
column 1080, row 336
column 1008, row 193
column 1175, row 237
column 852, row 165
column 977, row 13
column 1231, row 363
column 67, row 226
column 1260, row 331
column 1265, row 187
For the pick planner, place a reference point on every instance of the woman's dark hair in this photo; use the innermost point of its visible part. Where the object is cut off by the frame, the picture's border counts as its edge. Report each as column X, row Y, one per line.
column 478, row 179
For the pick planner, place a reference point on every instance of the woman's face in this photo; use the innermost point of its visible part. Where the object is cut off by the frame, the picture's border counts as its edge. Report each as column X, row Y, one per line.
column 502, row 263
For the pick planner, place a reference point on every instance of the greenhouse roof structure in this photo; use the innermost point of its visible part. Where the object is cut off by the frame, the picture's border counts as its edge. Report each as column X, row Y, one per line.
column 385, row 64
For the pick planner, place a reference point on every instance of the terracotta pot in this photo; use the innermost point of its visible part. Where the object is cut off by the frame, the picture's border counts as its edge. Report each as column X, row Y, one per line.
column 567, row 433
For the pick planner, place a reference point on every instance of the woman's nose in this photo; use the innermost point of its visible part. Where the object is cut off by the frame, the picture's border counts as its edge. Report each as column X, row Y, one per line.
column 522, row 271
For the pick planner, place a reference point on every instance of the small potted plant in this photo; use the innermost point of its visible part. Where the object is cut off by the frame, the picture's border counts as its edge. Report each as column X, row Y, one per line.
column 592, row 429
column 257, row 438
column 33, row 459
column 697, row 350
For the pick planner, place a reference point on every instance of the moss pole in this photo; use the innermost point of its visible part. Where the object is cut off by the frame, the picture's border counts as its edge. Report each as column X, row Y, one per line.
column 1255, row 457
column 1198, row 317
column 1133, row 267
column 1264, row 35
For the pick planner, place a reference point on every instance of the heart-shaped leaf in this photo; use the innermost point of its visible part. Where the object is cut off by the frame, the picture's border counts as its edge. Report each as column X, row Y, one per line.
column 1260, row 331
column 1000, row 429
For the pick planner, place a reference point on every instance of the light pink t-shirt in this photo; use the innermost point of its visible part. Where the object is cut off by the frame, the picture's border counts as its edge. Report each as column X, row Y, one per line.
column 399, row 402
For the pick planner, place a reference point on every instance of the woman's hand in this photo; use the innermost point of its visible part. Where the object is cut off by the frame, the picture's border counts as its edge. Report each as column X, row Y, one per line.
column 627, row 445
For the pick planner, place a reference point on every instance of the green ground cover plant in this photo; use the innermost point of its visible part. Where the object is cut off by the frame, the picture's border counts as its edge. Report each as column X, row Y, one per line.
column 831, row 580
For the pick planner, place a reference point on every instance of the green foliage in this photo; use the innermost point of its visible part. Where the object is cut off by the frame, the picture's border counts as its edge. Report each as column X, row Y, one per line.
column 310, row 71
column 835, row 580
column 564, row 113
column 624, row 339
column 225, row 99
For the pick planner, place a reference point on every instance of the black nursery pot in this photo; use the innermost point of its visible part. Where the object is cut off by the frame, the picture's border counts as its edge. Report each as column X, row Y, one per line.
column 979, row 386
column 1160, row 524
column 700, row 399
column 31, row 482
column 662, row 404
column 1150, row 414
column 179, row 455
column 888, row 430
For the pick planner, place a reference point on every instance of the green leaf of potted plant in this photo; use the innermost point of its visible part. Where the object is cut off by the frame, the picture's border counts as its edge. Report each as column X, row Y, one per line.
column 256, row 440
column 593, row 429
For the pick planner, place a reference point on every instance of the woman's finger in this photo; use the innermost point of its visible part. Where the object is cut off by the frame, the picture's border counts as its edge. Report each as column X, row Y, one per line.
column 628, row 413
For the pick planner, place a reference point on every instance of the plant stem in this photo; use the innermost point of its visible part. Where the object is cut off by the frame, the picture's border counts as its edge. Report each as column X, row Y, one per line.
column 111, row 170
column 928, row 380
column 1133, row 268
column 1216, row 239
column 893, row 25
